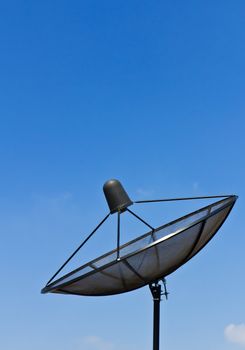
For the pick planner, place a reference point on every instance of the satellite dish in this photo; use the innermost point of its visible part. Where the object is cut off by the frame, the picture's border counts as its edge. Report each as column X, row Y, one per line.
column 146, row 260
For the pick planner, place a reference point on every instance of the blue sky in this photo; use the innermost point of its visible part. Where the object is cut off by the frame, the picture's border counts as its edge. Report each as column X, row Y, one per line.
column 151, row 93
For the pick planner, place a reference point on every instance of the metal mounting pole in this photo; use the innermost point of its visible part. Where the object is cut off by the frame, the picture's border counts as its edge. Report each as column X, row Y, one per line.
column 118, row 234
column 156, row 293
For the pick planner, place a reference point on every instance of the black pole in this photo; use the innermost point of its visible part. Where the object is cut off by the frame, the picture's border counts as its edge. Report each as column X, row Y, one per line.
column 139, row 218
column 182, row 199
column 118, row 235
column 156, row 293
column 80, row 246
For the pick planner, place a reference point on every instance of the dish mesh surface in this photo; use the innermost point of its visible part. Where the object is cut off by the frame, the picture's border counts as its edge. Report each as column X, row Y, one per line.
column 147, row 258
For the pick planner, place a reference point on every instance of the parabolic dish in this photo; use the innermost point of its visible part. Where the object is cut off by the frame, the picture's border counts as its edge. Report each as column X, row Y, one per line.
column 148, row 258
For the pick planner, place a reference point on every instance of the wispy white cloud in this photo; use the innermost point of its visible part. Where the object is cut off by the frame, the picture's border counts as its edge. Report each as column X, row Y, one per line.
column 235, row 333
column 144, row 192
column 93, row 342
column 52, row 199
column 195, row 185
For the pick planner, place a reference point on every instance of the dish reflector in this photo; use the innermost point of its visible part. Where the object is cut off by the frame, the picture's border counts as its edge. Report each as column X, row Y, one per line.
column 148, row 258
